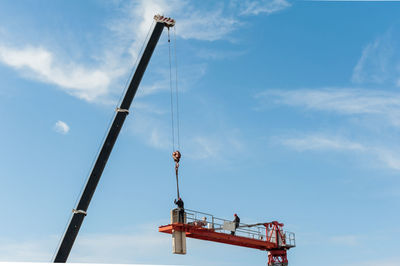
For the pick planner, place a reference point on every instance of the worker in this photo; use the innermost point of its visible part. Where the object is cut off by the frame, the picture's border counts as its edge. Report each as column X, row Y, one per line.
column 180, row 204
column 201, row 223
column 204, row 221
column 236, row 220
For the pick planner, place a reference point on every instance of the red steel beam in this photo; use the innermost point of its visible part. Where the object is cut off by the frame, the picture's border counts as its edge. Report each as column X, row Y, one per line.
column 211, row 235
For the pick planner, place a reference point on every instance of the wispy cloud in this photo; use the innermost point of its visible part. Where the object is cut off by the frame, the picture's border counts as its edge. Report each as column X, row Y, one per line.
column 344, row 101
column 388, row 157
column 94, row 248
column 216, row 26
column 128, row 30
column 353, row 0
column 321, row 142
column 27, row 250
column 263, row 6
column 131, row 247
column 156, row 132
column 221, row 19
column 116, row 248
column 380, row 262
column 213, row 147
column 153, row 130
column 61, row 127
column 376, row 111
column 373, row 105
column 40, row 64
column 218, row 54
column 347, row 240
column 380, row 61
column 189, row 76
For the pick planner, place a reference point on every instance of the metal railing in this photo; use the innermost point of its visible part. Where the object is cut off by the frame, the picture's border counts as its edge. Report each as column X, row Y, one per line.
column 255, row 232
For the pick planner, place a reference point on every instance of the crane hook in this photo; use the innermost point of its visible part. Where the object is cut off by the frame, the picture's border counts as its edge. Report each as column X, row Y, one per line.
column 176, row 155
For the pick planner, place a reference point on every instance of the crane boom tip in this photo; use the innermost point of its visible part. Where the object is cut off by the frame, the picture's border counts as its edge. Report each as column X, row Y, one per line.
column 168, row 22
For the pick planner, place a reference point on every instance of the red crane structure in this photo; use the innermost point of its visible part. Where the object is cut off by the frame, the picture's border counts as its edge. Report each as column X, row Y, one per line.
column 263, row 236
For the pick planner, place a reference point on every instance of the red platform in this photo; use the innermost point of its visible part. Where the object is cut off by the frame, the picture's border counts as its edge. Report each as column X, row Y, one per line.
column 270, row 237
column 211, row 235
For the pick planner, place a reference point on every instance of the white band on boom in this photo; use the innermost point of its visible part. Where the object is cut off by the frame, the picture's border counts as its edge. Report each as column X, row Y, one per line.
column 119, row 110
column 79, row 211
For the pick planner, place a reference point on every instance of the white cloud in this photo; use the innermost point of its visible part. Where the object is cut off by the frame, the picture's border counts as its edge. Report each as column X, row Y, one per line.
column 380, row 61
column 388, row 157
column 193, row 22
column 40, row 64
column 216, row 26
column 117, row 248
column 61, row 127
column 145, row 246
column 155, row 130
column 27, row 250
column 346, row 240
column 354, row 0
column 203, row 147
column 157, row 134
column 127, row 31
column 152, row 129
column 380, row 262
column 345, row 101
column 189, row 75
column 373, row 105
column 321, row 142
column 207, row 23
column 94, row 248
column 377, row 111
column 263, row 6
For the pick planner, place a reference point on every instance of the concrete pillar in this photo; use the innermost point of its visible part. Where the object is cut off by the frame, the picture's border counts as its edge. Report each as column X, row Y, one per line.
column 178, row 237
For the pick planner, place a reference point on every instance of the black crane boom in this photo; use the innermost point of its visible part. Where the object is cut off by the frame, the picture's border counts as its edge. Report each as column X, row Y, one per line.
column 80, row 212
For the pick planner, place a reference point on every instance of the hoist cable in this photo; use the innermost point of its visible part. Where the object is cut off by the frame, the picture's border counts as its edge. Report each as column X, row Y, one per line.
column 177, row 91
column 176, row 155
column 171, row 92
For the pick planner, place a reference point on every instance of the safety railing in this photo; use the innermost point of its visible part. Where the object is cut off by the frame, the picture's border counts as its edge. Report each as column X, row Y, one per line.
column 250, row 231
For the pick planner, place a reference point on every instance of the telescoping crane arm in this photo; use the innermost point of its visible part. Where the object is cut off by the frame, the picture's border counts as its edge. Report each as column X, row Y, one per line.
column 80, row 212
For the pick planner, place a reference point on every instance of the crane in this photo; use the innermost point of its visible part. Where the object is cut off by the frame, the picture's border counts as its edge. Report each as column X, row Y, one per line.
column 267, row 236
column 122, row 111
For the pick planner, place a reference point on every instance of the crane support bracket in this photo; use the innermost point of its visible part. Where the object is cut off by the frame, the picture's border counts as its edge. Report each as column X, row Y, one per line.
column 120, row 110
column 79, row 211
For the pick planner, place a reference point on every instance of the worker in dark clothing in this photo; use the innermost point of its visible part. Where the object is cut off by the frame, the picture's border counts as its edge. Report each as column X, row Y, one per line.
column 236, row 220
column 181, row 208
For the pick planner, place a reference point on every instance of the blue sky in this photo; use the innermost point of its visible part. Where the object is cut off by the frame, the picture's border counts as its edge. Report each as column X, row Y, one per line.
column 289, row 111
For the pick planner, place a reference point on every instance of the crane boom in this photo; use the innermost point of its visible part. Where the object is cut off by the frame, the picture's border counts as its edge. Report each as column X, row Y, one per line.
column 80, row 212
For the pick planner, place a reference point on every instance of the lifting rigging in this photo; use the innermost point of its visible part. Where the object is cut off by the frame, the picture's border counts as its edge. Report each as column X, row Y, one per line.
column 175, row 123
column 270, row 238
